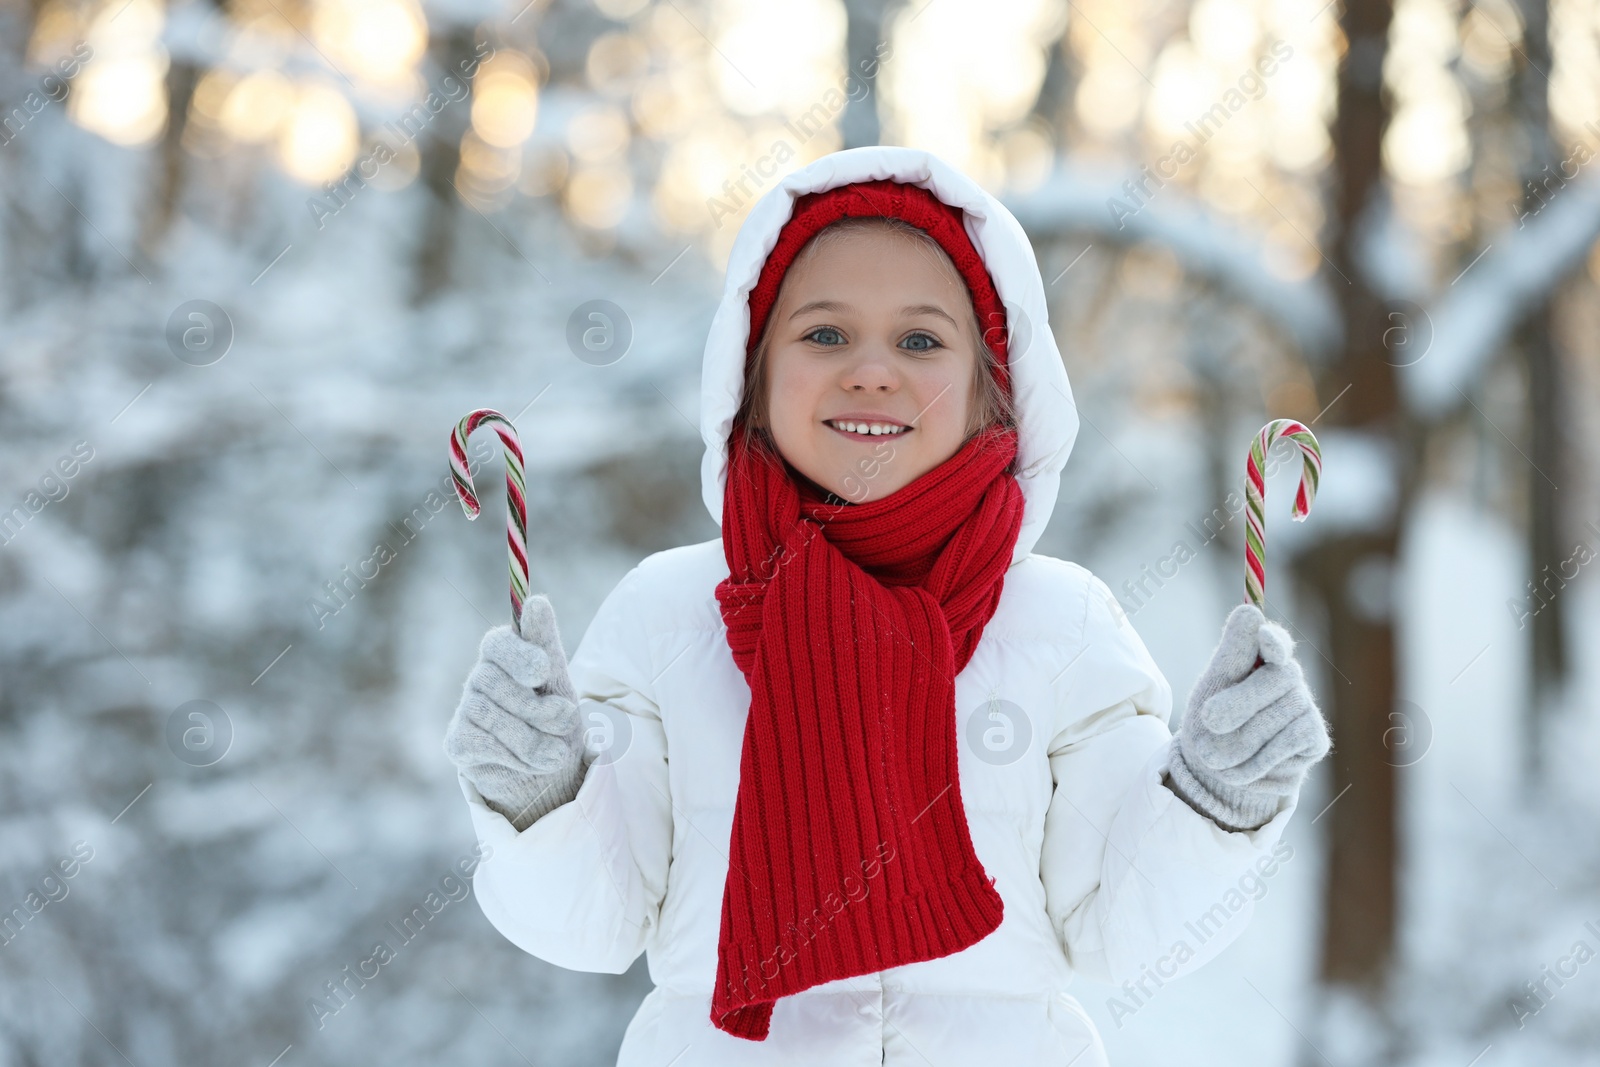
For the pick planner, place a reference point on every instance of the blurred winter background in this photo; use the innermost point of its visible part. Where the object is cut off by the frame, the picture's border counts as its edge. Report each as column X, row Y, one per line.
column 256, row 256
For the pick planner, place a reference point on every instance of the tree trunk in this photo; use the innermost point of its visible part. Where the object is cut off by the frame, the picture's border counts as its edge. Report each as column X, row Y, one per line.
column 439, row 149
column 1542, row 179
column 167, row 186
column 1054, row 103
column 864, row 37
column 1348, row 572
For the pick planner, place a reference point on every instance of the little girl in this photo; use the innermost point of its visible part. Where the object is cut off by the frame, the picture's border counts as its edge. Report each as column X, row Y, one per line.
column 873, row 781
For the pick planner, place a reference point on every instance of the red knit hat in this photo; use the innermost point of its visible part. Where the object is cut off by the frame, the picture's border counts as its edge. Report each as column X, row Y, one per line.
column 912, row 203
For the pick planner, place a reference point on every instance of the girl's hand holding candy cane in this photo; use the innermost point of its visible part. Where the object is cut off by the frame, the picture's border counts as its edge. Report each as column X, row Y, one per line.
column 1250, row 733
column 1252, row 729
column 515, row 734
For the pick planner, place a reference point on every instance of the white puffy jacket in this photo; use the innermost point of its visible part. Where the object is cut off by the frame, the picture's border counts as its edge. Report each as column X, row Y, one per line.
column 1062, row 717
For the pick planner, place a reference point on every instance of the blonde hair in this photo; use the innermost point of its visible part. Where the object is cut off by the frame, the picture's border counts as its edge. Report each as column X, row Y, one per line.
column 990, row 404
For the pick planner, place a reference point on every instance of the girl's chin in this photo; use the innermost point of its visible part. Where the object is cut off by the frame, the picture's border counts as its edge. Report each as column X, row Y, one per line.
column 863, row 473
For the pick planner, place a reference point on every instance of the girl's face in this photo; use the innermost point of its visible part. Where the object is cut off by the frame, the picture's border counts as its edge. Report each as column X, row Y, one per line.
column 871, row 328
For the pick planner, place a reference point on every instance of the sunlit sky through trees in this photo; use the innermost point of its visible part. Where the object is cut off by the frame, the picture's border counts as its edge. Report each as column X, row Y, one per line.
column 722, row 90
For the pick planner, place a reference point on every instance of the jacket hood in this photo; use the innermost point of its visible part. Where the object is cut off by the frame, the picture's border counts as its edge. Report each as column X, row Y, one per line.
column 1047, row 417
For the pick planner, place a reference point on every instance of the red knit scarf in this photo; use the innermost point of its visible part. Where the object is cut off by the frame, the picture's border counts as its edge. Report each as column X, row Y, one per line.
column 850, row 852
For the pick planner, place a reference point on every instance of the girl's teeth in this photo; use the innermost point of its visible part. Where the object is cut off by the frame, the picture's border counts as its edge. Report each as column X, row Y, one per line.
column 874, row 430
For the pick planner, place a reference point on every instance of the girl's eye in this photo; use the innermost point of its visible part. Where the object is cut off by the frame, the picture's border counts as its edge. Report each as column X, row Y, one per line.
column 933, row 342
column 915, row 342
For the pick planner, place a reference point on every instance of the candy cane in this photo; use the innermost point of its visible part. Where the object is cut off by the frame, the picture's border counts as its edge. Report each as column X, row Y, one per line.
column 516, row 500
column 1255, row 551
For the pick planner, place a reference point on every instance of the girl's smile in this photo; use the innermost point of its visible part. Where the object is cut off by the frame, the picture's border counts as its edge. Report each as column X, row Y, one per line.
column 865, row 425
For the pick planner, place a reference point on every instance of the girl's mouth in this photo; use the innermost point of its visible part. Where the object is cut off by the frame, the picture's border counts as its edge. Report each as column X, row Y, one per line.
column 866, row 430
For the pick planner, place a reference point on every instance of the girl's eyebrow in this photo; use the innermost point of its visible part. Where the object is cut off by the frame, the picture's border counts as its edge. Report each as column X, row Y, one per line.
column 837, row 306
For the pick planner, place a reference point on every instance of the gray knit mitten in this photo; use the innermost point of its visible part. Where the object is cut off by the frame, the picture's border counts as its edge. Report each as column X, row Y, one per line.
column 516, row 734
column 1248, row 737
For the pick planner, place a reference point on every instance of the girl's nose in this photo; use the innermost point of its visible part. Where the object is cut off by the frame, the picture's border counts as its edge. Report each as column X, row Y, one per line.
column 870, row 372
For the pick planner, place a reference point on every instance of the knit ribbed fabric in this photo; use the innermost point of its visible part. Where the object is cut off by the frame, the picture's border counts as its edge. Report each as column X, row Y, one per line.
column 850, row 851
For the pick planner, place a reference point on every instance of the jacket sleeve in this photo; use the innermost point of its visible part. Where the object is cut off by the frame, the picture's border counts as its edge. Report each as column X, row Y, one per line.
column 1135, row 880
column 582, row 886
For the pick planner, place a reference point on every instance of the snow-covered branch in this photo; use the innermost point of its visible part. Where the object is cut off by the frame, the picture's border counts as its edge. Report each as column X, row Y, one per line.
column 1475, row 314
column 1074, row 201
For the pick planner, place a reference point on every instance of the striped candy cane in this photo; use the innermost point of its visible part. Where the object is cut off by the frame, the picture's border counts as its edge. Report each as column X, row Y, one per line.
column 516, row 500
column 1255, row 551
